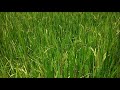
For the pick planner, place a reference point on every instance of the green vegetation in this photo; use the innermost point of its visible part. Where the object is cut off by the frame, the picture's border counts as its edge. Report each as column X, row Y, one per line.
column 60, row 44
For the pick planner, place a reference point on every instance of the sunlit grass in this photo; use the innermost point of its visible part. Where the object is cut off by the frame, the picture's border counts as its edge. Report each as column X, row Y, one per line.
column 60, row 44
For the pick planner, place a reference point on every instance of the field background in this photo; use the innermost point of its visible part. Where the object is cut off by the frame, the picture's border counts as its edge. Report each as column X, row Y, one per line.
column 60, row 44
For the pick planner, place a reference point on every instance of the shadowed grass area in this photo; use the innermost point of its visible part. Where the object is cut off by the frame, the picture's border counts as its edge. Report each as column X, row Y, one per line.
column 60, row 44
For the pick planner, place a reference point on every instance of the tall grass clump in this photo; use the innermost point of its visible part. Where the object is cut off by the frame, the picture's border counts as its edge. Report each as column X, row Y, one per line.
column 60, row 44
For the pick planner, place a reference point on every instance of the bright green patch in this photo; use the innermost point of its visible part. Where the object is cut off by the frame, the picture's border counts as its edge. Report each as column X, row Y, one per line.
column 60, row 44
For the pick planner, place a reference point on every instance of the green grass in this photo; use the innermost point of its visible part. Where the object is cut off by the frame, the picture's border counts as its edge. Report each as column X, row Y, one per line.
column 60, row 44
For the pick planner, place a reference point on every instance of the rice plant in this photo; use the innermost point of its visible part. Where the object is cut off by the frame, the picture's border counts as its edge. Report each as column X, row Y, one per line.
column 59, row 44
